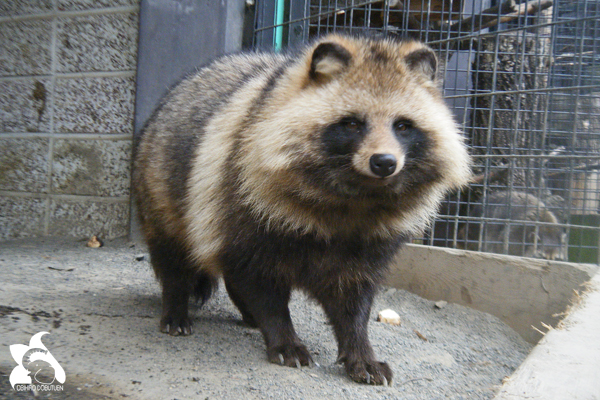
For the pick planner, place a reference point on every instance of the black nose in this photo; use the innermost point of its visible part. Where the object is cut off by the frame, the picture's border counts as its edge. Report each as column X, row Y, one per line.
column 383, row 164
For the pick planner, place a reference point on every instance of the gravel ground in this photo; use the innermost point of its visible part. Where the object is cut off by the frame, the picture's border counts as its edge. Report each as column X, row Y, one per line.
column 101, row 308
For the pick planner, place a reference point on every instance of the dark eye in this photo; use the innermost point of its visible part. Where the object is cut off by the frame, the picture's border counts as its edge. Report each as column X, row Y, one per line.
column 402, row 126
column 352, row 124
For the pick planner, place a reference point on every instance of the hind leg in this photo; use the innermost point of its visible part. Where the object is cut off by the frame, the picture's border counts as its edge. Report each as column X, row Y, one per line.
column 265, row 304
column 241, row 305
column 174, row 272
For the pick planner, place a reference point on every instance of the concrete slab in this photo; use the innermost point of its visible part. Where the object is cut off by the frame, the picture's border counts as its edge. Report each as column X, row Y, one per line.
column 522, row 292
column 566, row 362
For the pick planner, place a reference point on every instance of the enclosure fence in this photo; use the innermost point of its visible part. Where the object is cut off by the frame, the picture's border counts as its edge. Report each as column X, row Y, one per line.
column 523, row 81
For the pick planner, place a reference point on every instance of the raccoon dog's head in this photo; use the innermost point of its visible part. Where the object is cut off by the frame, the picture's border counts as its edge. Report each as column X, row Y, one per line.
column 375, row 134
column 362, row 120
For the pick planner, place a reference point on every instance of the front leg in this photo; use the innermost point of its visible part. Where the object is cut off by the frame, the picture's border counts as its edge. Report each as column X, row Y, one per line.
column 348, row 309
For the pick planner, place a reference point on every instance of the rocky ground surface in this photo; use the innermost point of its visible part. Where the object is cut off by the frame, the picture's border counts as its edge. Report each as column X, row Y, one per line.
column 101, row 308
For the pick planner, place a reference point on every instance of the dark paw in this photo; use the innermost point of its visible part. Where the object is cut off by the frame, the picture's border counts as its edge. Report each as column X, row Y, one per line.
column 291, row 355
column 176, row 326
column 372, row 373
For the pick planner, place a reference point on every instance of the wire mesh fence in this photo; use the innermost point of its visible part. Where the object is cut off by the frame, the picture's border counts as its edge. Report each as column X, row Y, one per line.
column 523, row 80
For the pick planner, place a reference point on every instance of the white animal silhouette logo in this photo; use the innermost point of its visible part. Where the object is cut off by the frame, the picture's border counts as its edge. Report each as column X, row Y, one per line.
column 35, row 361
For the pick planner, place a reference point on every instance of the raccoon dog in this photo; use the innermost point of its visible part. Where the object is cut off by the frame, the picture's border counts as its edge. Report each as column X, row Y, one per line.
column 521, row 238
column 299, row 171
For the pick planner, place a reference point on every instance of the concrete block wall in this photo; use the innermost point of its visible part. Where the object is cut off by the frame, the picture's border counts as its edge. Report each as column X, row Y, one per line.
column 67, row 91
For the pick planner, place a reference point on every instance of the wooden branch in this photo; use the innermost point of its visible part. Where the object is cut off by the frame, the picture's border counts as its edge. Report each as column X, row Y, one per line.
column 502, row 171
column 474, row 22
column 529, row 8
column 482, row 21
column 577, row 169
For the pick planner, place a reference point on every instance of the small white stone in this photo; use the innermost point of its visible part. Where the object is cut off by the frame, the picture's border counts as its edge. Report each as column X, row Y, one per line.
column 441, row 304
column 389, row 317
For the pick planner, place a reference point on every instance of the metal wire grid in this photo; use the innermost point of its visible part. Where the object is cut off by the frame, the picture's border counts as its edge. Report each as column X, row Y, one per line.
column 523, row 79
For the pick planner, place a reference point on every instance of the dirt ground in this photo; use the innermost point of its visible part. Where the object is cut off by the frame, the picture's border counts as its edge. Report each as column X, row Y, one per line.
column 101, row 309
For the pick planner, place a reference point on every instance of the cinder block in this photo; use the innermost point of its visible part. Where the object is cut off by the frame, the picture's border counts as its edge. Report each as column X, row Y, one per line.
column 26, row 47
column 23, row 7
column 97, row 43
column 24, row 165
column 82, row 219
column 24, row 105
column 72, row 5
column 94, row 105
column 21, row 217
column 91, row 167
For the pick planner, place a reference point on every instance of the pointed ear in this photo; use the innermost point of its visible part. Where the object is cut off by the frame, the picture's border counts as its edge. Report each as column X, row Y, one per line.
column 423, row 61
column 328, row 60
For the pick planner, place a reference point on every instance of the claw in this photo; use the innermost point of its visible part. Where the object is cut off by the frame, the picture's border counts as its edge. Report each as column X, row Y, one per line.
column 385, row 381
column 297, row 363
column 281, row 360
column 368, row 378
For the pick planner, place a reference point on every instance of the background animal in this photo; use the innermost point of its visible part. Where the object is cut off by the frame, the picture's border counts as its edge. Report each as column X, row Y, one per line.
column 516, row 233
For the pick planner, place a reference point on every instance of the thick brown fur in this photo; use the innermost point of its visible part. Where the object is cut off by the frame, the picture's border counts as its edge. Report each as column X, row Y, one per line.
column 298, row 171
